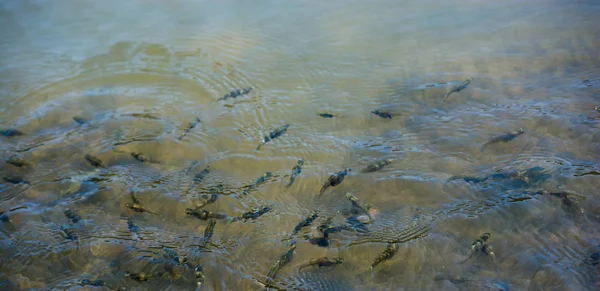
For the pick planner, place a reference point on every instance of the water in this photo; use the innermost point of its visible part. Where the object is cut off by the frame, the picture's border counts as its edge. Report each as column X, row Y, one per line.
column 534, row 65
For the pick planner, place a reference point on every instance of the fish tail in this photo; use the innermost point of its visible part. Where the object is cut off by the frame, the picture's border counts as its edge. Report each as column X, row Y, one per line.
column 447, row 95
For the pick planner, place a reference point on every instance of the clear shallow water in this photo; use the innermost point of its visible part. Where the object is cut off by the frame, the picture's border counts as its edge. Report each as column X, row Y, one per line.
column 534, row 64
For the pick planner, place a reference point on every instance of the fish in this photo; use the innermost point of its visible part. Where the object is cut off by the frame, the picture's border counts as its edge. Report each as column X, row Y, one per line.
column 382, row 114
column 327, row 227
column 88, row 282
column 142, row 115
column 15, row 180
column 137, row 206
column 458, row 88
column 478, row 246
column 256, row 213
column 131, row 226
column 191, row 126
column 70, row 234
column 237, row 93
column 199, row 275
column 199, row 177
column 453, row 279
column 327, row 115
column 306, row 222
column 323, row 262
column 94, row 161
column 335, row 180
column 592, row 256
column 141, row 277
column 357, row 203
column 388, row 253
column 11, row 132
column 17, row 162
column 204, row 215
column 209, row 230
column 597, row 108
column 503, row 138
column 211, row 199
column 80, row 120
column 296, row 171
column 71, row 215
column 142, row 158
column 273, row 135
column 377, row 166
column 260, row 180
column 4, row 217
column 284, row 259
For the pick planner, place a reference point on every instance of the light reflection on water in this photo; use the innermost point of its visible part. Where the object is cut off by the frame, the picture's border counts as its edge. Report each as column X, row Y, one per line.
column 139, row 72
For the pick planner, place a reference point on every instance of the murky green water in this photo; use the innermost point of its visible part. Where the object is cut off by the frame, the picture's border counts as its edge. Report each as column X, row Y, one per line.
column 140, row 71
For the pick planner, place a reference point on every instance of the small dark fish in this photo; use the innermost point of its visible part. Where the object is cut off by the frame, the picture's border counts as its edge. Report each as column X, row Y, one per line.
column 15, row 180
column 382, row 114
column 199, row 275
column 97, row 282
column 80, row 120
column 237, row 93
column 387, row 254
column 94, row 161
column 4, row 217
column 327, row 227
column 357, row 203
column 204, row 215
column 191, row 126
column 459, row 87
column 71, row 215
column 262, row 179
column 273, row 135
column 306, row 222
column 256, row 213
column 593, row 256
column 323, row 262
column 142, row 115
column 175, row 257
column 479, row 245
column 296, row 171
column 136, row 204
column 131, row 226
column 453, row 279
column 503, row 138
column 335, row 180
column 211, row 199
column 140, row 277
column 17, row 162
column 70, row 234
column 327, row 115
column 377, row 166
column 199, row 177
column 11, row 132
column 355, row 224
column 142, row 158
column 597, row 108
column 209, row 230
column 319, row 241
column 283, row 260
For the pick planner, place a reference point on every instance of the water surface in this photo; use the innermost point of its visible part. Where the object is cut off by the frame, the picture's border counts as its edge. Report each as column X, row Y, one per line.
column 141, row 71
